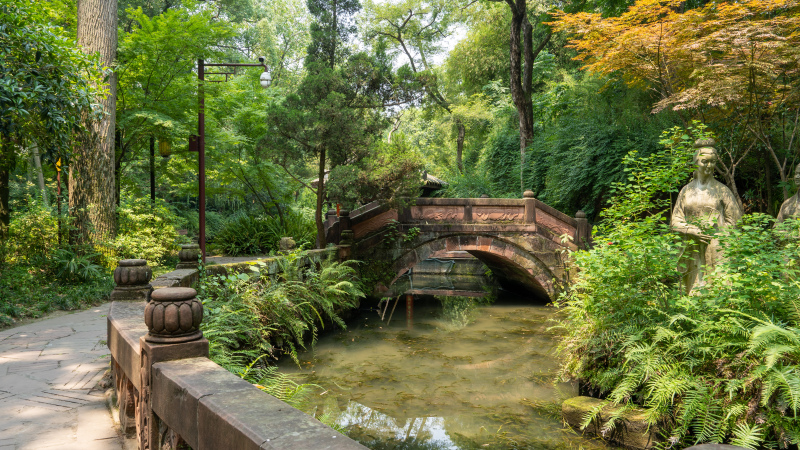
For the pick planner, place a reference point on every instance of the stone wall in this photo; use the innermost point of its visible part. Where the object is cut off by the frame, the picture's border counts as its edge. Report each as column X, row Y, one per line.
column 170, row 395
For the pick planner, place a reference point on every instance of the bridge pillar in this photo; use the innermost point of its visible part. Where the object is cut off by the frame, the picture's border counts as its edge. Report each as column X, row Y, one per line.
column 583, row 232
column 530, row 206
column 409, row 311
column 344, row 220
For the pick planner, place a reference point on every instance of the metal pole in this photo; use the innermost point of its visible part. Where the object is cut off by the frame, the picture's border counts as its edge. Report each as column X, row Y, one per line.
column 58, row 198
column 152, row 170
column 201, row 155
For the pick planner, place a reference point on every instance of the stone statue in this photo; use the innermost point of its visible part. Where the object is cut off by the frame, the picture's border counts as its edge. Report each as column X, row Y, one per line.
column 791, row 207
column 704, row 207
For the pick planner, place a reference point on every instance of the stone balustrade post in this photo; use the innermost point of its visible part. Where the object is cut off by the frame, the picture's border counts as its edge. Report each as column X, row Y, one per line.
column 345, row 245
column 132, row 281
column 530, row 206
column 344, row 220
column 468, row 212
column 330, row 216
column 583, row 232
column 188, row 256
column 173, row 317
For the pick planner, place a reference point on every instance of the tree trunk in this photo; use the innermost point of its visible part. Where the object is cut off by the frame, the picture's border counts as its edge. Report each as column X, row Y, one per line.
column 517, row 93
column 521, row 48
column 37, row 164
column 320, row 201
column 152, row 170
column 768, row 174
column 92, row 187
column 460, row 146
column 6, row 164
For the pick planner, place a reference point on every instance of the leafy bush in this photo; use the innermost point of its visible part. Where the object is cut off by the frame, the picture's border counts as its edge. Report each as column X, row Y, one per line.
column 145, row 231
column 246, row 235
column 31, row 291
column 32, row 234
column 251, row 235
column 721, row 365
column 72, row 267
column 249, row 316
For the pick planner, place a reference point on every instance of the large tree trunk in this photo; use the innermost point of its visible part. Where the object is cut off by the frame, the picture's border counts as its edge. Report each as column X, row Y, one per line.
column 92, row 193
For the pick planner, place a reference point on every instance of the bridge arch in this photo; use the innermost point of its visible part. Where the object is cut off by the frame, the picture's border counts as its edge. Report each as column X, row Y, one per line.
column 510, row 263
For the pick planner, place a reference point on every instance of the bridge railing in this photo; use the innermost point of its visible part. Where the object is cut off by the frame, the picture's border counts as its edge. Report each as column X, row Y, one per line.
column 483, row 214
column 171, row 395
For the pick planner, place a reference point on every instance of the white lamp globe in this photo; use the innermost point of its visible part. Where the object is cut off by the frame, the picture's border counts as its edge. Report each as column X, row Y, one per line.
column 265, row 80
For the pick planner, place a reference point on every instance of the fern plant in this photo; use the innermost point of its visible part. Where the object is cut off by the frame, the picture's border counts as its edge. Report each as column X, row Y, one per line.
column 719, row 366
column 252, row 319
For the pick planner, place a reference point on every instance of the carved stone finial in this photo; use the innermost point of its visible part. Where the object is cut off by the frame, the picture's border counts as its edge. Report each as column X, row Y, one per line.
column 580, row 214
column 344, row 213
column 188, row 256
column 700, row 143
column 173, row 315
column 527, row 194
column 132, row 279
column 484, row 196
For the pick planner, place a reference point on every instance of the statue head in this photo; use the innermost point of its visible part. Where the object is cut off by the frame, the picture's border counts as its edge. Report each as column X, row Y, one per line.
column 705, row 157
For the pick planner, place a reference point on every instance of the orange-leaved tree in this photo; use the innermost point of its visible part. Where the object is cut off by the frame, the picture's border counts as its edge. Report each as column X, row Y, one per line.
column 736, row 64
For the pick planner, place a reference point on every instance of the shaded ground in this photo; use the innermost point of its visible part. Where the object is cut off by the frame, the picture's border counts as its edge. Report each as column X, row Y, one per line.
column 50, row 396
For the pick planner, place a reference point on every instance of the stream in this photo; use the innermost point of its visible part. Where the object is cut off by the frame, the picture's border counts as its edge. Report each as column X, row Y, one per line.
column 449, row 367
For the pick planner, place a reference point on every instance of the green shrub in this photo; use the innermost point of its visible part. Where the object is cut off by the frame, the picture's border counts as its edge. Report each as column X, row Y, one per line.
column 145, row 232
column 249, row 316
column 33, row 234
column 251, row 235
column 72, row 267
column 31, row 291
column 721, row 365
column 246, row 235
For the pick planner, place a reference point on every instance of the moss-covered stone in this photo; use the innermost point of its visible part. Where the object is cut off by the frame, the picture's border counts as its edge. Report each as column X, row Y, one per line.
column 630, row 430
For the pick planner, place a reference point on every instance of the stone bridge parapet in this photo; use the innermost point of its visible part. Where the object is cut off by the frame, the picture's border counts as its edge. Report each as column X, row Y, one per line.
column 523, row 241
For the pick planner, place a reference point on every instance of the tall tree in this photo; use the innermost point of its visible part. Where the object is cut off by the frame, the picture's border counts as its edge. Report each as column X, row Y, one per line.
column 415, row 29
column 91, row 186
column 45, row 89
column 735, row 64
column 522, row 57
column 331, row 117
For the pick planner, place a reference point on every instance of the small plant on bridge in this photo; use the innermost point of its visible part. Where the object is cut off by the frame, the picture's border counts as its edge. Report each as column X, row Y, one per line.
column 393, row 235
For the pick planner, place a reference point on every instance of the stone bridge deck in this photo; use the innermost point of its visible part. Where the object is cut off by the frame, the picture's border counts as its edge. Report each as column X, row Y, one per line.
column 523, row 241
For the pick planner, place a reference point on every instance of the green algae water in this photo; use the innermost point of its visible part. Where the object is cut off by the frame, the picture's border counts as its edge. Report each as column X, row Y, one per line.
column 439, row 372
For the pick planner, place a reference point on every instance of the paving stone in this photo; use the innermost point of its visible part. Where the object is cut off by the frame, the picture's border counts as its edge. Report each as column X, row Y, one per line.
column 47, row 372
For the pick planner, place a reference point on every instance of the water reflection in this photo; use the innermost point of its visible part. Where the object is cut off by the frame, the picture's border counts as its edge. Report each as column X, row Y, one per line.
column 443, row 372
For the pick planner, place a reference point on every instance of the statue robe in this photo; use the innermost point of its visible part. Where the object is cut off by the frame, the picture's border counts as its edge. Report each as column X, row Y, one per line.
column 702, row 211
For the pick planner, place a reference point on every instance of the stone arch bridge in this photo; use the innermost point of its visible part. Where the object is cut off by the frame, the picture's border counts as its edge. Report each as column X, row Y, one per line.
column 523, row 241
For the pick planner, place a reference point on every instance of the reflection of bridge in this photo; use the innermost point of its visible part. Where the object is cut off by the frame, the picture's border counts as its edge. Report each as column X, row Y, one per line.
column 521, row 240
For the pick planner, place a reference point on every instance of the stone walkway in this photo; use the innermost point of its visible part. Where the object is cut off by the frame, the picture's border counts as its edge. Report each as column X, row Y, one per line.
column 49, row 393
